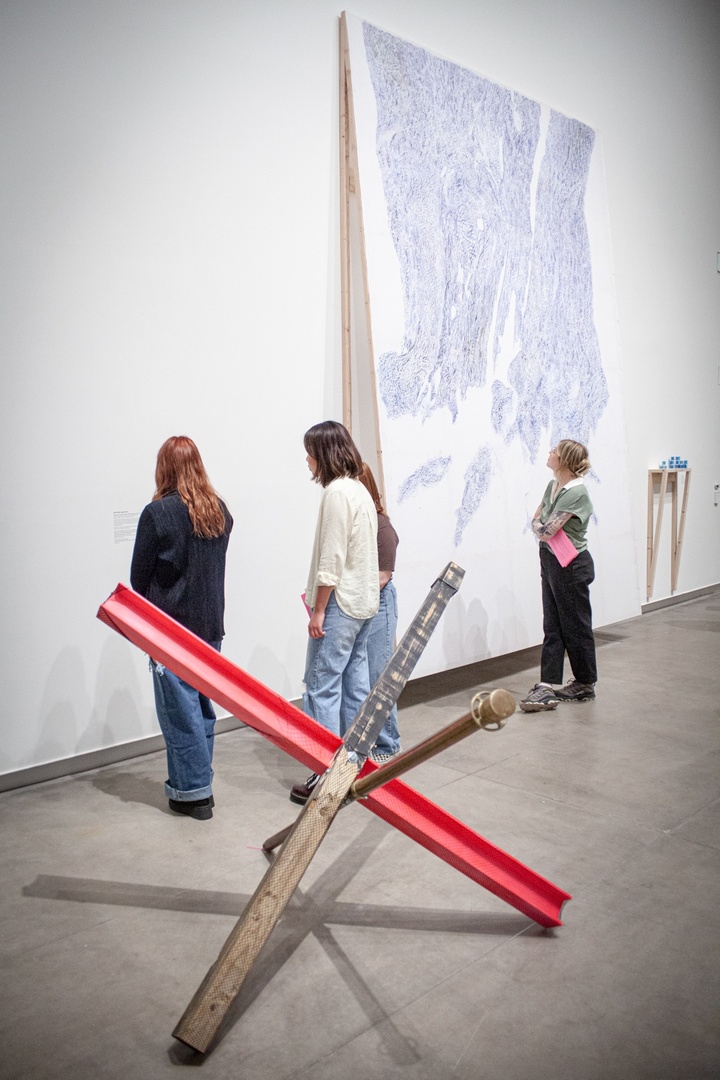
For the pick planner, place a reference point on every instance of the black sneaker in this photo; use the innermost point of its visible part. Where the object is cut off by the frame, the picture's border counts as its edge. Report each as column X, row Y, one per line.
column 540, row 699
column 200, row 809
column 576, row 691
column 300, row 793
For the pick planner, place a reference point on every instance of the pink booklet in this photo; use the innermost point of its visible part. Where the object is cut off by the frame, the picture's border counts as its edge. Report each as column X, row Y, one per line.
column 562, row 547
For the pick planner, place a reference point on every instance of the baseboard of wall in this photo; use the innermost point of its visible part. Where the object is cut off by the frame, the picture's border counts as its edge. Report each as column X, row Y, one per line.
column 679, row 598
column 96, row 759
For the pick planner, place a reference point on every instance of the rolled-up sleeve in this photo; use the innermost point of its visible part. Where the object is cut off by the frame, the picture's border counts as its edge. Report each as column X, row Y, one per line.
column 345, row 549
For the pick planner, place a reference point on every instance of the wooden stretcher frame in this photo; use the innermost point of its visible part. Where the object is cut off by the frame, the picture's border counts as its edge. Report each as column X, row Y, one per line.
column 351, row 210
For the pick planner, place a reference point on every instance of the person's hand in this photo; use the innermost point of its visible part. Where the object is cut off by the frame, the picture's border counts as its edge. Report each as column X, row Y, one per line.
column 315, row 626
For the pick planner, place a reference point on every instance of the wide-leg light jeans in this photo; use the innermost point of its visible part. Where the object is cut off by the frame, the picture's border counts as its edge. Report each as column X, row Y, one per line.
column 187, row 721
column 336, row 670
column 380, row 648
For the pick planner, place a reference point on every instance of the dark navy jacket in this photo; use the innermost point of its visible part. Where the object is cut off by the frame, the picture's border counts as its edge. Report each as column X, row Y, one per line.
column 182, row 574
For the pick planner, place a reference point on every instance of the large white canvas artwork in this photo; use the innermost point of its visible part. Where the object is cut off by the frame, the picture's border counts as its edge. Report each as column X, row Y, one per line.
column 494, row 329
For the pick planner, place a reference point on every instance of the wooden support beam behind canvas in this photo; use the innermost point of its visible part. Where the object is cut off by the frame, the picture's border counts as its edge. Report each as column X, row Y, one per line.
column 351, row 201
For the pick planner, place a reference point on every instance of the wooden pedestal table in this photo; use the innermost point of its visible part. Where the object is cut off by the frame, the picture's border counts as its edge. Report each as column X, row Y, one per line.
column 667, row 480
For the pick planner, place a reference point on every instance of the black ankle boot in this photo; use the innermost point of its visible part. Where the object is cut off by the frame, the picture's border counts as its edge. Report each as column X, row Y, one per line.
column 200, row 809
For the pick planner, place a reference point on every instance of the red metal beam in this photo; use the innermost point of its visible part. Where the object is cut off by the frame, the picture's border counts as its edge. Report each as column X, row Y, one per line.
column 303, row 738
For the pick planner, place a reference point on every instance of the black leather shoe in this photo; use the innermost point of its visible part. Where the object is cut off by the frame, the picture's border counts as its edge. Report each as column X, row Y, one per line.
column 300, row 793
column 201, row 809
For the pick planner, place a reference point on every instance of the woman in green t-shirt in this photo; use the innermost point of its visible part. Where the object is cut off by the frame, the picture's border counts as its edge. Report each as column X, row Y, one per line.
column 561, row 519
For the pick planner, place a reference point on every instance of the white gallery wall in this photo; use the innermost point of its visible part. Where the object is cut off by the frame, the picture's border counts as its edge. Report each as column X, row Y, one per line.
column 170, row 260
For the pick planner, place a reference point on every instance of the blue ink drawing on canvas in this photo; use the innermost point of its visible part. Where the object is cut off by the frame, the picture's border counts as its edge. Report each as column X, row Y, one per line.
column 484, row 191
column 430, row 472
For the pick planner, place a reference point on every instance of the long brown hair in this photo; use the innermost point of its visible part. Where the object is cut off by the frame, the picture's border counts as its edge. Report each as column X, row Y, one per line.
column 331, row 444
column 180, row 468
column 366, row 477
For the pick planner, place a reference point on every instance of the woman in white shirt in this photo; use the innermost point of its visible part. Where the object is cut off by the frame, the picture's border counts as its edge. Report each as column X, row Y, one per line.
column 342, row 590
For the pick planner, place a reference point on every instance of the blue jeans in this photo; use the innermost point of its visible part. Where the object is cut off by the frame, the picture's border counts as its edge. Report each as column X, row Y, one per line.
column 187, row 721
column 380, row 648
column 336, row 670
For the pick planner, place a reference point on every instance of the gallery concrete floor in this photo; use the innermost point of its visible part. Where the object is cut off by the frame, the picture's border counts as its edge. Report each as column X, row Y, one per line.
column 389, row 964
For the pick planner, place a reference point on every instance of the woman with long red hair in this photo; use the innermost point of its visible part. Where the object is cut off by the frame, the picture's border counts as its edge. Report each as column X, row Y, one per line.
column 178, row 564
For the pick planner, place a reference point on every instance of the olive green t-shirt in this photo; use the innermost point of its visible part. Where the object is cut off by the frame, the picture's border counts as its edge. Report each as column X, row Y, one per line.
column 569, row 500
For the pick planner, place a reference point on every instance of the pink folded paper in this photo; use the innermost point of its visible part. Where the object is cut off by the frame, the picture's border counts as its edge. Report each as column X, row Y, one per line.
column 562, row 547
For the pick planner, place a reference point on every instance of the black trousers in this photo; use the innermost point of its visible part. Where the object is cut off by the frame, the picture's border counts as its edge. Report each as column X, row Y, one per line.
column 567, row 617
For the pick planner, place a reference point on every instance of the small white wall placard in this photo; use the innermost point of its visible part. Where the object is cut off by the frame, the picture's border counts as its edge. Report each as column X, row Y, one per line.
column 125, row 526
